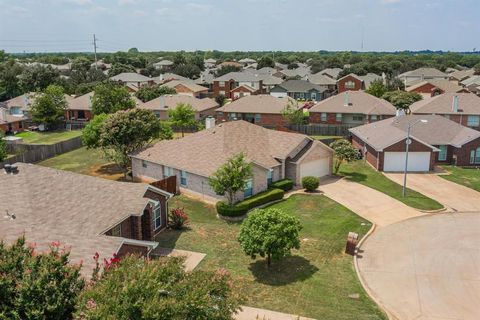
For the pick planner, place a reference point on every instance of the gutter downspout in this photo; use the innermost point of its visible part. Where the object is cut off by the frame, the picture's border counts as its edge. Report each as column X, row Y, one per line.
column 282, row 173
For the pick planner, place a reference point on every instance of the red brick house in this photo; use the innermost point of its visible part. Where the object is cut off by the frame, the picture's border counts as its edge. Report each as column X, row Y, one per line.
column 353, row 82
column 435, row 87
column 224, row 85
column 463, row 108
column 434, row 140
column 11, row 123
column 80, row 108
column 87, row 214
column 264, row 110
column 242, row 91
column 351, row 108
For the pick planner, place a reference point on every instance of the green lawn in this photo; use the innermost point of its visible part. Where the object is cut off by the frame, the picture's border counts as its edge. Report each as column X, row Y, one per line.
column 468, row 177
column 359, row 171
column 85, row 161
column 314, row 282
column 36, row 137
column 325, row 137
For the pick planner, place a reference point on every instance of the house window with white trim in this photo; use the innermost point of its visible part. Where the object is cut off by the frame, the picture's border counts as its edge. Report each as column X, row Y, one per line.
column 117, row 230
column 183, row 178
column 258, row 117
column 248, row 191
column 442, row 155
column 473, row 121
column 357, row 117
column 350, row 85
column 373, row 117
column 144, row 164
column 270, row 177
column 338, row 117
column 167, row 172
column 323, row 116
column 157, row 217
column 475, row 156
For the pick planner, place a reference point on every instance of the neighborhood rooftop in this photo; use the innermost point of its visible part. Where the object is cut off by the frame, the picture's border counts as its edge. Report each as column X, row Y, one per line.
column 263, row 103
column 167, row 102
column 468, row 103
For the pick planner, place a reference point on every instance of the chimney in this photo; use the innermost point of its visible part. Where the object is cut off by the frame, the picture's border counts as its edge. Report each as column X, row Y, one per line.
column 209, row 122
column 455, row 104
column 346, row 99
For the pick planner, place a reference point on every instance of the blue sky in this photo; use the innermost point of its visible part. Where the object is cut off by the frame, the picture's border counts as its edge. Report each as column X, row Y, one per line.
column 386, row 25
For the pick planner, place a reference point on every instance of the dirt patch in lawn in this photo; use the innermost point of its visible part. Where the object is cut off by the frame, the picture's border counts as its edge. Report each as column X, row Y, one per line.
column 107, row 171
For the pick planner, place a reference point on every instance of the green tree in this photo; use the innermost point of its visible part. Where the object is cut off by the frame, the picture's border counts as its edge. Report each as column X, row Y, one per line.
column 265, row 61
column 377, row 88
column 142, row 289
column 92, row 132
column 269, row 233
column 37, row 285
column 110, row 98
column 118, row 68
column 344, row 152
column 9, row 84
column 49, row 107
column 293, row 114
column 182, row 116
column 231, row 177
column 38, row 78
column 220, row 99
column 191, row 71
column 147, row 93
column 476, row 68
column 124, row 132
column 3, row 148
column 226, row 69
column 401, row 99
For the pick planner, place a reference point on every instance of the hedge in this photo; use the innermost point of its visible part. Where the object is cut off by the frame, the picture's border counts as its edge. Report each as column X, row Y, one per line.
column 285, row 184
column 242, row 207
column 310, row 183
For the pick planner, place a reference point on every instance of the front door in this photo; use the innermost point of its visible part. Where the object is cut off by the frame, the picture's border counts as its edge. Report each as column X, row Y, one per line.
column 313, row 96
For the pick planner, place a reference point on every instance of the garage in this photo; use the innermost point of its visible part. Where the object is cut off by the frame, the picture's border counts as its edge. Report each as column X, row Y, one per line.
column 316, row 168
column 417, row 161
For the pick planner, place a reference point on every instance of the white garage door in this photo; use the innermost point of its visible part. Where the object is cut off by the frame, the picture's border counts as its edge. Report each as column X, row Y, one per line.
column 417, row 161
column 278, row 94
column 317, row 168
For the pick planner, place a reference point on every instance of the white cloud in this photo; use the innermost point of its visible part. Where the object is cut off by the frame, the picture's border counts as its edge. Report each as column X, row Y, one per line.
column 127, row 2
column 390, row 1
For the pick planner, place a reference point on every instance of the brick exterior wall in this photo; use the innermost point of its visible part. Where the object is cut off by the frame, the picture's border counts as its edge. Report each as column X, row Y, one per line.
column 341, row 84
column 463, row 154
column 228, row 86
column 428, row 88
column 69, row 114
column 266, row 119
column 316, row 117
column 17, row 126
column 130, row 249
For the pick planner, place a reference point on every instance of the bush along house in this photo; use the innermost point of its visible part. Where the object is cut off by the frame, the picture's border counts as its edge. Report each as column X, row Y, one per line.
column 274, row 156
column 84, row 213
column 433, row 140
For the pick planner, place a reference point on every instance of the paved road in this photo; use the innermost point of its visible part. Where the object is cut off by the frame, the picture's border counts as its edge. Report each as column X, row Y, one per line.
column 452, row 195
column 426, row 268
column 368, row 203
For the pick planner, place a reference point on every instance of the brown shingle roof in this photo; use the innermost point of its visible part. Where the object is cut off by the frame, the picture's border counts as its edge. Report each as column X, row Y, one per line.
column 83, row 102
column 262, row 103
column 188, row 84
column 204, row 152
column 168, row 102
column 359, row 102
column 443, row 84
column 468, row 103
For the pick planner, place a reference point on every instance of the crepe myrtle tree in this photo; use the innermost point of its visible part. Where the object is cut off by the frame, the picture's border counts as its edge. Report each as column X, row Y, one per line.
column 344, row 152
column 269, row 233
column 182, row 116
column 231, row 177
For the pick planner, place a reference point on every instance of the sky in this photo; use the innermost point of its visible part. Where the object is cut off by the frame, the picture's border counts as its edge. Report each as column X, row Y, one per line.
column 247, row 25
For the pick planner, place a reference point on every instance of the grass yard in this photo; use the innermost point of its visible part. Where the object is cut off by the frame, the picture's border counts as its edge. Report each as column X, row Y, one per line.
column 36, row 137
column 361, row 172
column 314, row 282
column 468, row 177
column 85, row 161
column 325, row 137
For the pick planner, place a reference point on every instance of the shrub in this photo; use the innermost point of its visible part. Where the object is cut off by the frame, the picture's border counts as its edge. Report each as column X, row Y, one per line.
column 310, row 183
column 242, row 207
column 177, row 219
column 236, row 210
column 285, row 184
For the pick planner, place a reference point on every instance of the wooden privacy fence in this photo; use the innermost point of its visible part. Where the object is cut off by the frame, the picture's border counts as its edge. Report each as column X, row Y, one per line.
column 32, row 153
column 340, row 130
column 169, row 184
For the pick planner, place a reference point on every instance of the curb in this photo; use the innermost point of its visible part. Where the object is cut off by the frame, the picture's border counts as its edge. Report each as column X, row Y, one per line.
column 434, row 211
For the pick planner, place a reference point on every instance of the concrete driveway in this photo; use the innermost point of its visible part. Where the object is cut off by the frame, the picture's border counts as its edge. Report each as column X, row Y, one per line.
column 425, row 268
column 368, row 203
column 452, row 195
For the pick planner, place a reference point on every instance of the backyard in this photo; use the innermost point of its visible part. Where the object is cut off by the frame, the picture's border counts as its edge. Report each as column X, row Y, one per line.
column 361, row 172
column 36, row 137
column 469, row 177
column 315, row 281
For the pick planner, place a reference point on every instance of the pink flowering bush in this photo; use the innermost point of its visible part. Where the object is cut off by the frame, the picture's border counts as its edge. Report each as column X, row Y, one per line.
column 36, row 285
column 177, row 219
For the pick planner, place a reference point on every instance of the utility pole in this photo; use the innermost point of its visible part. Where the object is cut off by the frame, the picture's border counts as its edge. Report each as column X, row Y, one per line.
column 95, row 50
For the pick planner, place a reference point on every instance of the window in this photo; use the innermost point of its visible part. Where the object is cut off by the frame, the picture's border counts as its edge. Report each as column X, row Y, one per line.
column 350, row 85
column 301, row 95
column 183, row 178
column 373, row 117
column 475, row 156
column 338, row 117
column 157, row 217
column 323, row 116
column 442, row 155
column 157, row 113
column 258, row 117
column 117, row 230
column 222, row 92
column 144, row 164
column 270, row 177
column 220, row 113
column 473, row 121
column 167, row 172
column 221, row 83
column 357, row 117
column 248, row 191
column 232, row 115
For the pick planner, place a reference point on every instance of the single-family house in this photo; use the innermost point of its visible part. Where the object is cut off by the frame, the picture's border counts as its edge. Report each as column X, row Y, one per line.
column 224, row 85
column 210, row 63
column 434, row 87
column 433, row 140
column 461, row 75
column 274, row 155
column 20, row 105
column 132, row 79
column 246, row 61
column 331, row 72
column 463, row 108
column 11, row 123
column 323, row 81
column 165, row 77
column 353, row 82
column 412, row 77
column 80, row 108
column 86, row 214
column 264, row 110
column 298, row 90
column 472, row 84
column 351, row 108
column 163, row 65
column 188, row 88
column 203, row 107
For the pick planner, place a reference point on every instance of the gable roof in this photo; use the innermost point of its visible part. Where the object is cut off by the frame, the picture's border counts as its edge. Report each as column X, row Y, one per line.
column 443, row 84
column 188, row 84
column 168, row 102
column 83, row 102
column 462, row 74
column 55, row 205
column 23, row 101
column 468, row 103
column 358, row 102
column 130, row 77
column 424, row 72
column 169, row 76
column 332, row 72
column 261, row 103
column 300, row 86
column 321, row 79
column 245, row 76
column 9, row 118
column 437, row 131
column 204, row 152
column 164, row 63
